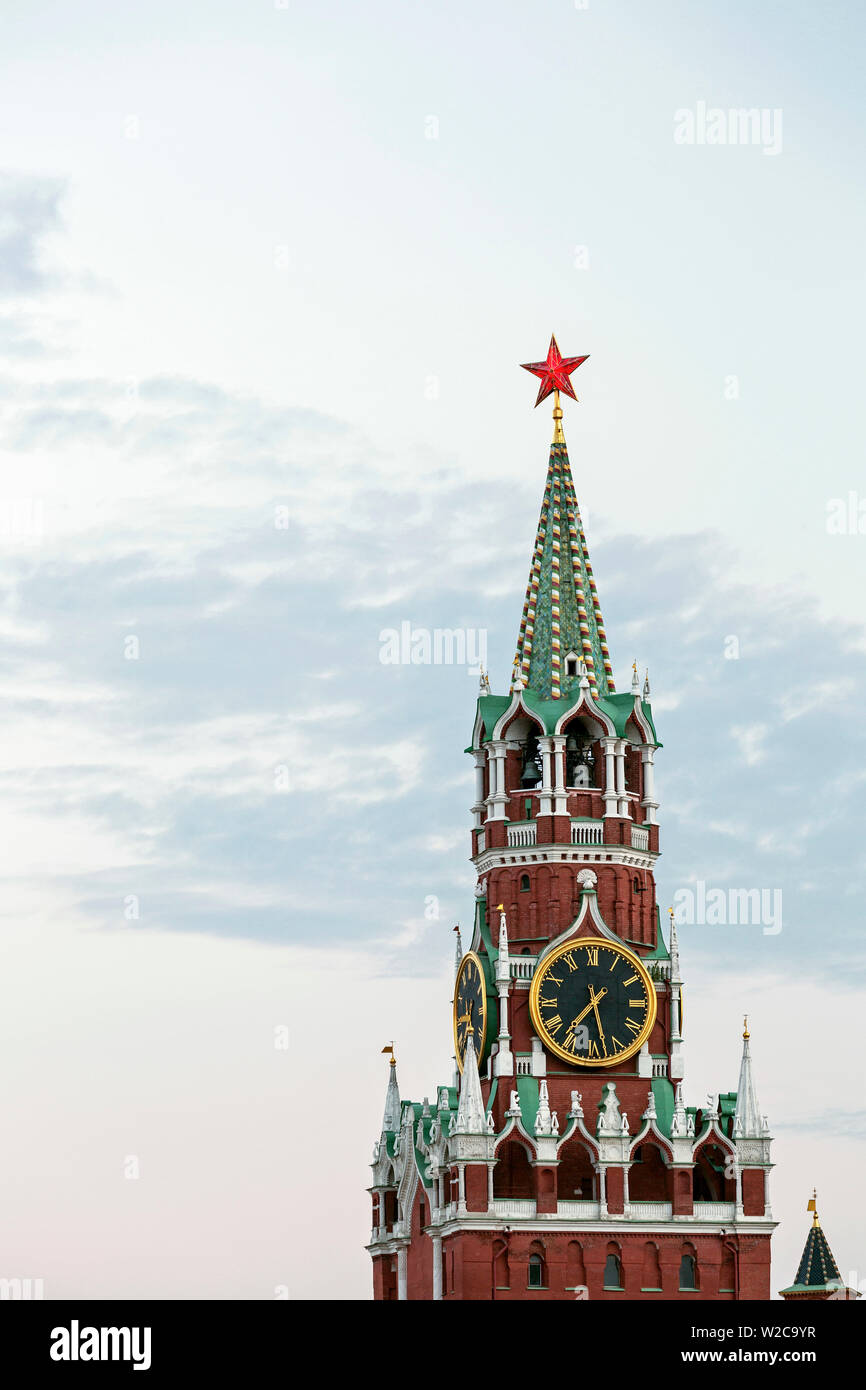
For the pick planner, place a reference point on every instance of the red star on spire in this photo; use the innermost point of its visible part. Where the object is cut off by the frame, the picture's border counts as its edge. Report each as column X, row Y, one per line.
column 554, row 372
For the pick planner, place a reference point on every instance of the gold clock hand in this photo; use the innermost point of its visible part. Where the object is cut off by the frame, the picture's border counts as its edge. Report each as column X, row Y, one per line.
column 591, row 1005
column 595, row 999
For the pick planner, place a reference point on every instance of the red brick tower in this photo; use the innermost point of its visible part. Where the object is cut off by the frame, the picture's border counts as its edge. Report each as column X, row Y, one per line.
column 563, row 1162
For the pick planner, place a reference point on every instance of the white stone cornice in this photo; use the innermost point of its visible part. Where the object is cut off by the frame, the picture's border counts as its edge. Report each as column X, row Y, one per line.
column 502, row 856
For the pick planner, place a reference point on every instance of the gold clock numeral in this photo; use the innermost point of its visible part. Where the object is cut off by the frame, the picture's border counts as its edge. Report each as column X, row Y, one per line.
column 547, row 1003
column 593, row 1048
column 635, row 1027
column 570, row 962
column 592, row 955
column 617, row 1044
column 555, row 981
column 637, row 1003
column 632, row 979
column 553, row 1025
column 614, row 963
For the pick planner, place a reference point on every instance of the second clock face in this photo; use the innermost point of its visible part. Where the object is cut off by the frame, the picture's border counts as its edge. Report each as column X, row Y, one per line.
column 470, row 1007
column 592, row 1002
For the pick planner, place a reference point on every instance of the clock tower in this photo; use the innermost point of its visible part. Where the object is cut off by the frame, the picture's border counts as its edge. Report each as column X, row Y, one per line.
column 562, row 1162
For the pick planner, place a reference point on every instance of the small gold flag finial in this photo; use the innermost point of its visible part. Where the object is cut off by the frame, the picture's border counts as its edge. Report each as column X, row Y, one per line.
column 813, row 1207
column 746, row 1033
column 389, row 1047
column 500, row 907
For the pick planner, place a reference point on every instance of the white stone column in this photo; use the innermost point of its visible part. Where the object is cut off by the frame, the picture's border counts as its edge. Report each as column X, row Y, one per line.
column 602, row 1190
column 490, row 1168
column 621, row 745
column 738, row 1196
column 499, row 797
column 437, row 1267
column 648, row 802
column 402, row 1282
column 545, row 800
column 767, row 1208
column 609, row 794
column 478, row 807
column 461, row 1189
column 561, row 800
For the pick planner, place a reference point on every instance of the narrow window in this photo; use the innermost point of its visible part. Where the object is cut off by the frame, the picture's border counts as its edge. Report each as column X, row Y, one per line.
column 613, row 1272
column 524, row 883
column 688, row 1272
column 536, row 1272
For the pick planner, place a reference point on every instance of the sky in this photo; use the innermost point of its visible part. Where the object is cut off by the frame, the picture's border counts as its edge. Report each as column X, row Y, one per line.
column 266, row 274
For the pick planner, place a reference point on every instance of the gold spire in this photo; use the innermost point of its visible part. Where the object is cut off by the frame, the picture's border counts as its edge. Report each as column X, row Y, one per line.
column 558, row 436
column 746, row 1033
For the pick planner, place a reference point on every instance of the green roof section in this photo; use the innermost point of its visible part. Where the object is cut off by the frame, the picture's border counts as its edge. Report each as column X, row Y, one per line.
column 661, row 951
column 561, row 613
column 527, row 1090
column 663, row 1093
column 618, row 708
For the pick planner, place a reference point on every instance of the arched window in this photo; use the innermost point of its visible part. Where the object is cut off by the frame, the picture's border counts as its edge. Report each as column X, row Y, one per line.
column 613, row 1268
column 524, row 883
column 571, row 666
column 575, row 1179
column 688, row 1269
column 512, row 1176
column 537, row 1272
column 647, row 1181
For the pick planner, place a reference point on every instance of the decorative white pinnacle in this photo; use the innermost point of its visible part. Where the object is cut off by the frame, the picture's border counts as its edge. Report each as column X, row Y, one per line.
column 674, row 952
column 635, row 683
column 503, row 968
column 545, row 1122
column 646, row 686
column 391, row 1118
column 483, row 681
column 679, row 1125
column 458, row 951
column 471, row 1116
column 748, row 1122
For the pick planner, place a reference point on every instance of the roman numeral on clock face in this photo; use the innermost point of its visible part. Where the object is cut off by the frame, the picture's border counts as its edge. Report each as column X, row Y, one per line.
column 553, row 1024
column 632, row 1026
column 637, row 1003
column 592, row 955
column 632, row 980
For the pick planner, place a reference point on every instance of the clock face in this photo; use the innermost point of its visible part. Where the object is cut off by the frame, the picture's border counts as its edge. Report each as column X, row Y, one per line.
column 470, row 1007
column 592, row 1002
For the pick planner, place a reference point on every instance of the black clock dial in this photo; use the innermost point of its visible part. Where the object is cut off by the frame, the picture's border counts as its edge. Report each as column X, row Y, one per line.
column 592, row 1002
column 470, row 1007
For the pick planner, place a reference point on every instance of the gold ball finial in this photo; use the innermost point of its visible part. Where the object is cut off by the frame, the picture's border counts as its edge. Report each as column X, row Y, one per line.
column 746, row 1033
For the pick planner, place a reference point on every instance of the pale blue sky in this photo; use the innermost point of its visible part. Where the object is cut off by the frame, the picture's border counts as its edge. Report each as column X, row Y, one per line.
column 236, row 276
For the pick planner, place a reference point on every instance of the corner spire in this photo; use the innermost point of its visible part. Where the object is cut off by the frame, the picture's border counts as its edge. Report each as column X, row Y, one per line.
column 471, row 1116
column 561, row 626
column 391, row 1117
column 748, row 1122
